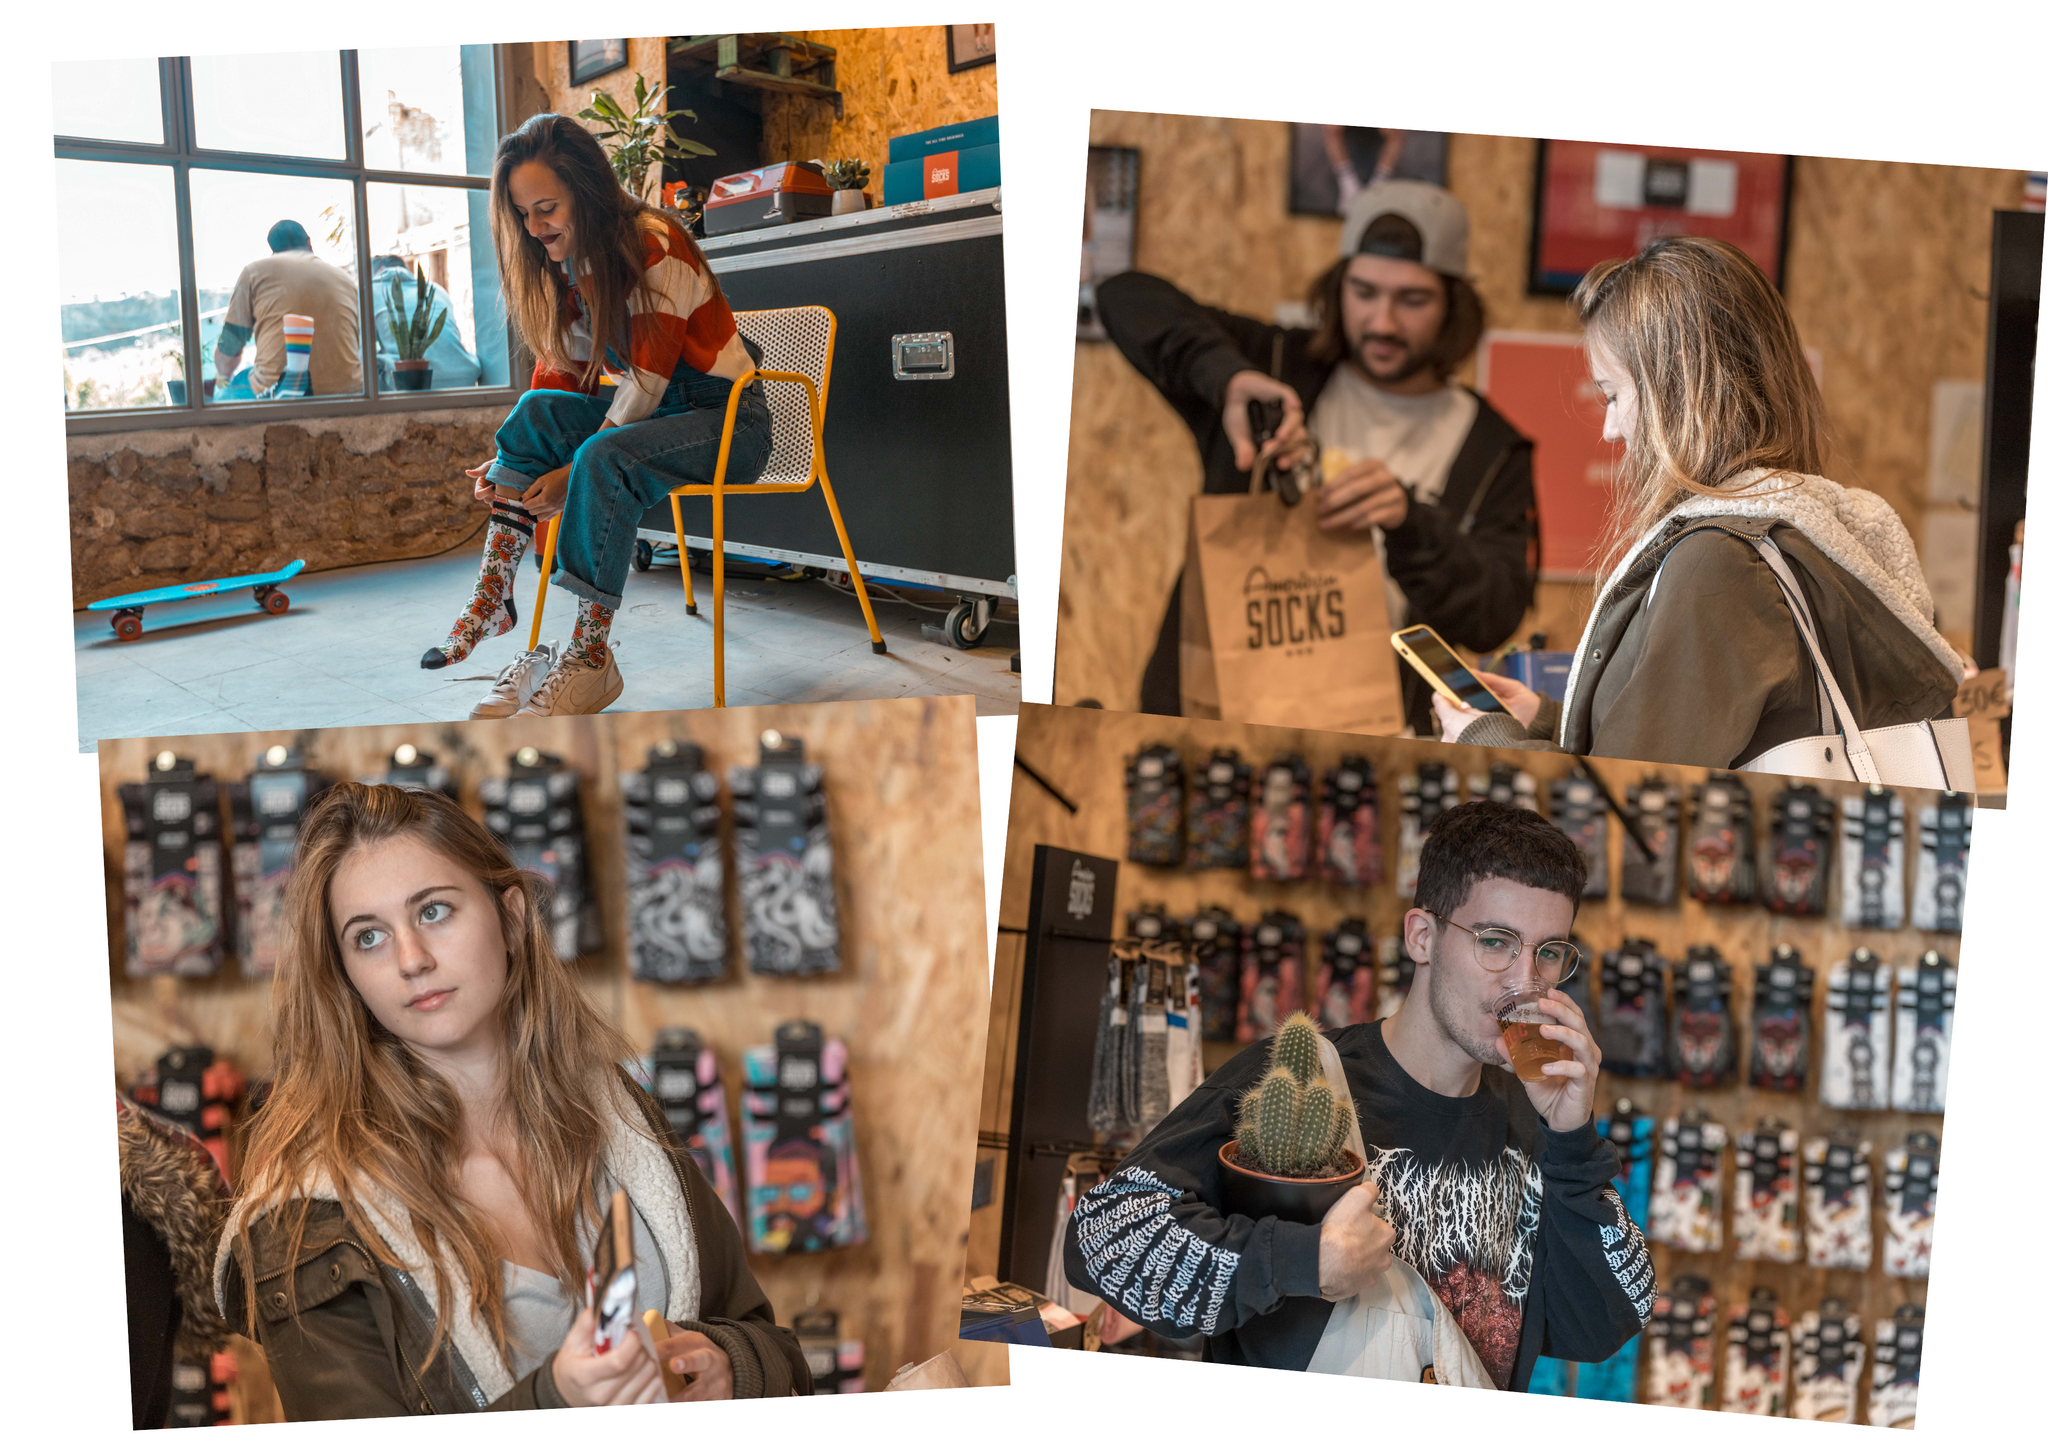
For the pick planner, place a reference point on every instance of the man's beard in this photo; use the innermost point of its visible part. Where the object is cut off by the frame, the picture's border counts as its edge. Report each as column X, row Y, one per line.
column 1414, row 362
column 1443, row 1012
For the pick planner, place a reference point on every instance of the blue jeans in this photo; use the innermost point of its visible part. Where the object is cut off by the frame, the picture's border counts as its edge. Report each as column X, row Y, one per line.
column 616, row 475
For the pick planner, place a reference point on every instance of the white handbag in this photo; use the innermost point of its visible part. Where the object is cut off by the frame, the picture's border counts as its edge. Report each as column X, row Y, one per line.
column 1933, row 754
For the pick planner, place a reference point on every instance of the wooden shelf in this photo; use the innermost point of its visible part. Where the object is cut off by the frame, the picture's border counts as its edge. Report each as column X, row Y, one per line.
column 766, row 61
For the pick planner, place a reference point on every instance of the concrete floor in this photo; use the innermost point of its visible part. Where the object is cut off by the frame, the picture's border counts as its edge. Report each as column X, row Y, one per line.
column 348, row 651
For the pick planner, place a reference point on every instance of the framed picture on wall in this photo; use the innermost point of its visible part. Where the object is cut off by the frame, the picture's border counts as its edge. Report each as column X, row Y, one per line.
column 589, row 59
column 1109, row 227
column 968, row 46
column 1329, row 165
column 1595, row 200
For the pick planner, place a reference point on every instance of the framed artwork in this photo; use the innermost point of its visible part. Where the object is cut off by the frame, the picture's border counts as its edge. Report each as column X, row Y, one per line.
column 968, row 46
column 1595, row 201
column 1329, row 165
column 589, row 59
column 1109, row 227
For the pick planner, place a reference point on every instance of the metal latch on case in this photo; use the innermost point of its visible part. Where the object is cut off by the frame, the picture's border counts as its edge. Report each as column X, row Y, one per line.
column 922, row 355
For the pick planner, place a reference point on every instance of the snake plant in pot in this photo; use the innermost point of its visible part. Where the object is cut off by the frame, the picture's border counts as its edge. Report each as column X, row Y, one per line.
column 413, row 332
column 1290, row 1158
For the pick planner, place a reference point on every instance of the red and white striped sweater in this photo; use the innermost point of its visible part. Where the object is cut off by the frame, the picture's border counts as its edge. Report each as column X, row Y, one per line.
column 689, row 324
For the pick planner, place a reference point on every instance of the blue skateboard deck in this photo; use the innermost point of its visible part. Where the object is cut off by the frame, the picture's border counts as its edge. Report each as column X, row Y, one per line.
column 127, row 609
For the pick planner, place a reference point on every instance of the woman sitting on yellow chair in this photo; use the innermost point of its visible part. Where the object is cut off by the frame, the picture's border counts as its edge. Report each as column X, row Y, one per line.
column 596, row 280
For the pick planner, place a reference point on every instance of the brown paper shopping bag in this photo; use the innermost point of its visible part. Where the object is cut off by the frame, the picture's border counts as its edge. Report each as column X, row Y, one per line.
column 1283, row 624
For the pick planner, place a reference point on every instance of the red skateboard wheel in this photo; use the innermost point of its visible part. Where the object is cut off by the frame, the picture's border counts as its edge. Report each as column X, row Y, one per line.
column 128, row 627
column 277, row 602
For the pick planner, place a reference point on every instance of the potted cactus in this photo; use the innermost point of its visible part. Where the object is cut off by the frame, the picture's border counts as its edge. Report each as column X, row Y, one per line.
column 413, row 334
column 848, row 177
column 1290, row 1158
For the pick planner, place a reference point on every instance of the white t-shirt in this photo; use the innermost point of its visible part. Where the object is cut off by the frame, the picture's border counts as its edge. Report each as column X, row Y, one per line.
column 1417, row 436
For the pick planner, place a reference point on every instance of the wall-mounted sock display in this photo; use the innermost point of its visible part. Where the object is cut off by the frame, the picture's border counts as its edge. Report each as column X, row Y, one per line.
column 411, row 767
column 1927, row 1002
column 1654, row 803
column 1702, row 1019
column 1151, row 923
column 1396, row 976
column 197, row 1090
column 1944, row 865
column 1219, row 813
column 1802, row 841
column 1348, row 826
column 1827, row 1363
column 1912, row 1175
column 1631, row 1028
column 1216, row 941
column 1766, row 1196
column 1505, row 783
column 1895, row 1368
column 1838, row 1202
column 1271, row 985
column 171, row 871
column 1281, row 820
column 683, row 1077
column 1681, row 1345
column 1759, row 1356
column 1345, row 976
column 1685, row 1196
column 803, row 1174
column 1613, row 1380
column 1781, row 1019
column 1722, row 865
column 1873, row 859
column 837, row 1364
column 264, row 813
column 675, row 867
column 1577, row 807
column 1425, row 794
column 1109, row 1098
column 1155, row 803
column 536, row 810
column 1856, row 1035
column 783, row 851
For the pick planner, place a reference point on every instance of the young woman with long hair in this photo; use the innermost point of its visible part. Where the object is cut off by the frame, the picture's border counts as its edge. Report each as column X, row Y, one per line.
column 595, row 280
column 1691, row 654
column 421, row 1192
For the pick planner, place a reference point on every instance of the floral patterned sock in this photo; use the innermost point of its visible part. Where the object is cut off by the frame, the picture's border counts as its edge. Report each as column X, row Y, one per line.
column 490, row 611
column 590, row 643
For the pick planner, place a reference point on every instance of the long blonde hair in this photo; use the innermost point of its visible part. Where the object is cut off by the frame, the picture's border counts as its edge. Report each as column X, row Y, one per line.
column 1722, row 384
column 354, row 1104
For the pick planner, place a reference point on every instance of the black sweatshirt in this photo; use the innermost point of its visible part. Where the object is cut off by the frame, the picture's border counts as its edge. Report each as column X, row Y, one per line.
column 1518, row 1229
column 1466, row 563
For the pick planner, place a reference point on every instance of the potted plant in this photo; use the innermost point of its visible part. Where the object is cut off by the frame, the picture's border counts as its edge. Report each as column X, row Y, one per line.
column 413, row 335
column 1290, row 1158
column 642, row 140
column 848, row 177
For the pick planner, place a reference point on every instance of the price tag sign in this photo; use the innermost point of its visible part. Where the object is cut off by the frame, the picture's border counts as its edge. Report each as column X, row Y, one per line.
column 1983, row 695
column 1988, row 755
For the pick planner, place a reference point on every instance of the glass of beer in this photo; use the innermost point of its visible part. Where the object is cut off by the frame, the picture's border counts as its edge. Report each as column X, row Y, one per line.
column 1522, row 1016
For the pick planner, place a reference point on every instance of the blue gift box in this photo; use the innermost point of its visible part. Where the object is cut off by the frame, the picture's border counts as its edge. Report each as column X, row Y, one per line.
column 960, row 136
column 942, row 174
column 1544, row 671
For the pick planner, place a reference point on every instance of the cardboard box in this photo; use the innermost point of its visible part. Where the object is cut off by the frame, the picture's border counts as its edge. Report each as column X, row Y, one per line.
column 942, row 174
column 960, row 136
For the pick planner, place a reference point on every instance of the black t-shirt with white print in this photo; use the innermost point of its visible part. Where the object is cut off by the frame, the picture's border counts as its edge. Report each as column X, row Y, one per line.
column 1518, row 1229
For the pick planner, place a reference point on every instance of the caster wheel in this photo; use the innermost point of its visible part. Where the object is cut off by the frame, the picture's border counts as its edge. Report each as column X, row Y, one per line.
column 961, row 628
column 643, row 554
column 128, row 625
column 277, row 602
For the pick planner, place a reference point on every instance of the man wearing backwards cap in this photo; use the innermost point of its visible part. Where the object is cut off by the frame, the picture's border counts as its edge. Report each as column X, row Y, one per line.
column 1437, row 480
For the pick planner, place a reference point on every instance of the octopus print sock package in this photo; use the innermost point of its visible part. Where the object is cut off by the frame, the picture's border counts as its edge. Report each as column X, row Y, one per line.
column 784, row 853
column 675, row 867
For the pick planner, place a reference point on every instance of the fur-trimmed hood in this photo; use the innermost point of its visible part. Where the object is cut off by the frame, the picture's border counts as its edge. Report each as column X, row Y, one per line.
column 173, row 1185
column 636, row 1163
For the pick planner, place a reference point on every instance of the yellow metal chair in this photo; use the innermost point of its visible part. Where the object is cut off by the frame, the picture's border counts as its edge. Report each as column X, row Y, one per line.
column 796, row 372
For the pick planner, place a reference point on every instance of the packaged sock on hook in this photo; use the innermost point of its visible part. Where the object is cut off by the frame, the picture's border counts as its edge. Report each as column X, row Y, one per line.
column 1873, row 859
column 1631, row 1028
column 411, row 767
column 1155, row 803
column 1220, row 813
column 1759, row 1354
column 684, row 1080
column 1348, row 826
column 1702, row 1019
column 1281, row 820
column 675, row 867
column 1216, row 940
column 1685, row 1195
column 1781, row 1022
column 1827, row 1363
column 266, row 811
column 1802, row 839
column 803, row 1175
column 1681, row 1338
column 1944, row 865
column 536, row 810
column 783, row 848
column 1856, row 1035
column 1838, row 1202
column 1578, row 809
column 1344, row 978
column 1767, row 1193
column 1895, row 1368
column 1723, row 860
column 1655, row 879
column 1271, row 988
column 171, row 871
column 1912, row 1175
column 1426, row 794
column 1927, row 1002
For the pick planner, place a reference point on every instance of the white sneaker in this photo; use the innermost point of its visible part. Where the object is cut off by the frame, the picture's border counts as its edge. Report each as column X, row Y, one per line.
column 517, row 682
column 576, row 688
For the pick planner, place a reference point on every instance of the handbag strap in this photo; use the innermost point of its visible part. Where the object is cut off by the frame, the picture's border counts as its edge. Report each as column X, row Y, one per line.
column 1860, row 761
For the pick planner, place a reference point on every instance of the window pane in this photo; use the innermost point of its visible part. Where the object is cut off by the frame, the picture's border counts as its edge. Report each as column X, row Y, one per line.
column 109, row 100
column 430, row 109
column 279, row 105
column 446, row 233
column 117, row 284
column 234, row 217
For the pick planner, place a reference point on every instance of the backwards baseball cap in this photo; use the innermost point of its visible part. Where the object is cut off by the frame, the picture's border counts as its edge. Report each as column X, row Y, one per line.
column 1433, row 212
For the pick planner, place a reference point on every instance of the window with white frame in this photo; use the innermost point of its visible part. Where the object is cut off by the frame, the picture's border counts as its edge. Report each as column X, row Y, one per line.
column 251, row 236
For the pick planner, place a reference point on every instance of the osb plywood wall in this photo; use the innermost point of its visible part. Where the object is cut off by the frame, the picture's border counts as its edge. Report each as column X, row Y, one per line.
column 902, row 794
column 894, row 81
column 1886, row 277
column 645, row 57
column 1083, row 753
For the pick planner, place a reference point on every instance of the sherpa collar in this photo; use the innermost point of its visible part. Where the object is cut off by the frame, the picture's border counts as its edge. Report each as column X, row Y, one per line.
column 1853, row 527
column 639, row 1166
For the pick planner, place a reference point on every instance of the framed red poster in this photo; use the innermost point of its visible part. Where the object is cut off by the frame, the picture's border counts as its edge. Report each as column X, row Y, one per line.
column 1539, row 382
column 1596, row 200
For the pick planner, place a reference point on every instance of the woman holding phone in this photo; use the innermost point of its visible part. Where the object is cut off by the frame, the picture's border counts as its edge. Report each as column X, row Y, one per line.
column 1692, row 653
column 422, row 1192
column 596, row 281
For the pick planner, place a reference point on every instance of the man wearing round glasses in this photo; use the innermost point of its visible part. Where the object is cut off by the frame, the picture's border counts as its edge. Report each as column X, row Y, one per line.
column 1489, row 1182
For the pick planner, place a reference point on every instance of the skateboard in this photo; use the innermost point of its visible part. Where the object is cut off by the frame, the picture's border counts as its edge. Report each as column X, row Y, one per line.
column 1838, row 1202
column 1220, row 813
column 172, row 871
column 1767, row 1193
column 1348, row 826
column 803, row 1177
column 127, row 609
column 1215, row 941
column 783, row 851
column 675, row 867
column 1281, row 820
column 684, row 1079
column 1155, row 803
column 1856, row 1035
column 1344, row 978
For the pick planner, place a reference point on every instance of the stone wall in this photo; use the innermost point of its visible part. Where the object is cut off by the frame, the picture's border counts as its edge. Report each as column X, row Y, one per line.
column 164, row 506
